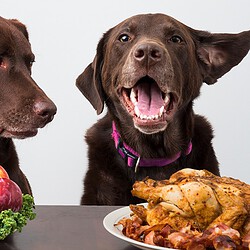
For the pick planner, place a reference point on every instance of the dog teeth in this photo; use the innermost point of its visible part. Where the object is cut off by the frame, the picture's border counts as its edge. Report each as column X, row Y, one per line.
column 137, row 111
column 161, row 111
column 133, row 96
column 166, row 99
column 148, row 117
column 143, row 117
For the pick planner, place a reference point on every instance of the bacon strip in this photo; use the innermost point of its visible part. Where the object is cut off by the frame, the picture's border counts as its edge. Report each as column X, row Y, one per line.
column 218, row 237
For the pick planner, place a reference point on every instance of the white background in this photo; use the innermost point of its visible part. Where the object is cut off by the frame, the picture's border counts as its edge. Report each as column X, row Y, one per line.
column 64, row 35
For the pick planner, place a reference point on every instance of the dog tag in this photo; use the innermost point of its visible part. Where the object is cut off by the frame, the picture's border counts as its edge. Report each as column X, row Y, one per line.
column 137, row 163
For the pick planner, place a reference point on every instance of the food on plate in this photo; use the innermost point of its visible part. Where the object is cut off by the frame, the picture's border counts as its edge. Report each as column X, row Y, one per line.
column 197, row 198
column 15, row 208
column 192, row 208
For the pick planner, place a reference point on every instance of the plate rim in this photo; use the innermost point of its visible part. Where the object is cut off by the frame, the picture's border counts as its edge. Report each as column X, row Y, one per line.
column 113, row 217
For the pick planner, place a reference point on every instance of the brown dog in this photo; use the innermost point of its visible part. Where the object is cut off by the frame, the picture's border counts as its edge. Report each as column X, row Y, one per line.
column 24, row 107
column 148, row 70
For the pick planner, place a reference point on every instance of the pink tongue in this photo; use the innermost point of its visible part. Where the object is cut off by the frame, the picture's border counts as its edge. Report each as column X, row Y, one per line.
column 149, row 98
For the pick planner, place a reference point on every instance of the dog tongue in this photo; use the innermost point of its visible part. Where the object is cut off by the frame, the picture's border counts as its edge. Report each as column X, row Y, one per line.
column 149, row 98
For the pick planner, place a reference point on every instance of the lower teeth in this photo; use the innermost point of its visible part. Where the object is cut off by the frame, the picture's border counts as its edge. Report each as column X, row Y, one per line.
column 146, row 117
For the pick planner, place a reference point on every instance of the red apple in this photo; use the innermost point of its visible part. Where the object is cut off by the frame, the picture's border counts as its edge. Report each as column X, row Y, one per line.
column 3, row 173
column 10, row 195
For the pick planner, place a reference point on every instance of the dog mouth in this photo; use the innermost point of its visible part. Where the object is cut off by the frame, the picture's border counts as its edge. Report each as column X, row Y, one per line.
column 150, row 107
column 18, row 134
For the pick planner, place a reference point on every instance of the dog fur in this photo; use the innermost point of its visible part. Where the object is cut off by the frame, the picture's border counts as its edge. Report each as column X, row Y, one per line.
column 24, row 107
column 152, row 52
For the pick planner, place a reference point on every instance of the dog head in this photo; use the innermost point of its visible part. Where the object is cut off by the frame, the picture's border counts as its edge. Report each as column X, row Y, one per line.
column 150, row 67
column 24, row 107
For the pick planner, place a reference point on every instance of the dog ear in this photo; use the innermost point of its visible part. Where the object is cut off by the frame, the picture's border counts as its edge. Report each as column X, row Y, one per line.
column 219, row 53
column 90, row 81
column 90, row 86
column 20, row 26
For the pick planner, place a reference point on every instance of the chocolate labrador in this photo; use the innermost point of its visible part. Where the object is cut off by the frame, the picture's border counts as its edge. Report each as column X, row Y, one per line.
column 24, row 107
column 148, row 70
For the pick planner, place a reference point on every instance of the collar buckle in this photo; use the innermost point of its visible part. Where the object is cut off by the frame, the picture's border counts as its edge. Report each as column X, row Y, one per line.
column 131, row 159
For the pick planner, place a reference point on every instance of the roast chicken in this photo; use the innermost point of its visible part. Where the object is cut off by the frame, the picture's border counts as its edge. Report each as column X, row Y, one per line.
column 195, row 198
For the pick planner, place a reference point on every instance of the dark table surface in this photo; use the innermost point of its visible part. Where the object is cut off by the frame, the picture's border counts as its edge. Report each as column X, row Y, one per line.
column 66, row 227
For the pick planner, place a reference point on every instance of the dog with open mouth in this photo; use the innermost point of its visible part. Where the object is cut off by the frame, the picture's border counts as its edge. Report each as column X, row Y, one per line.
column 24, row 107
column 148, row 70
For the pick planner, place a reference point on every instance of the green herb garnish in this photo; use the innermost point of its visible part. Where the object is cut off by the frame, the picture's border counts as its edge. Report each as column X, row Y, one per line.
column 11, row 221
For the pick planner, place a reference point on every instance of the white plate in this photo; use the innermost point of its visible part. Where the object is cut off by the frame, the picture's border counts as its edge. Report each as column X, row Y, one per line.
column 113, row 217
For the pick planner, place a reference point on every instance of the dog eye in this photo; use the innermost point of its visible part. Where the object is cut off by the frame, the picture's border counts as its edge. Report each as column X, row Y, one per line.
column 2, row 63
column 31, row 62
column 176, row 39
column 124, row 38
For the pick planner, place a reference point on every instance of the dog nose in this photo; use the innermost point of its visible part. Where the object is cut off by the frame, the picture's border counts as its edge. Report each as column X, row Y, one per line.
column 45, row 110
column 149, row 53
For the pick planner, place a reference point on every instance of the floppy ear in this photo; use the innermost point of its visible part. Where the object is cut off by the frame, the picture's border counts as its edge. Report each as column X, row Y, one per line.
column 20, row 26
column 91, row 87
column 221, row 52
column 90, row 81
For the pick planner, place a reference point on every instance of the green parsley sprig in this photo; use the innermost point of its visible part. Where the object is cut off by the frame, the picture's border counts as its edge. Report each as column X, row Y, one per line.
column 14, row 221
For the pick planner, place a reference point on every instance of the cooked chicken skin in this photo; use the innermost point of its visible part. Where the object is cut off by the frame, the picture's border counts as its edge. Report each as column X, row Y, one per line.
column 194, row 197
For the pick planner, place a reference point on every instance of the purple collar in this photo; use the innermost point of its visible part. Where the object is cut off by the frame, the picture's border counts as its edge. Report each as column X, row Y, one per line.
column 133, row 159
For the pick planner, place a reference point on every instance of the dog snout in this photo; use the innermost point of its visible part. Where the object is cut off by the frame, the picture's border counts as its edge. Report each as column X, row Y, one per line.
column 45, row 110
column 148, row 53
